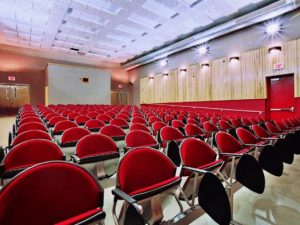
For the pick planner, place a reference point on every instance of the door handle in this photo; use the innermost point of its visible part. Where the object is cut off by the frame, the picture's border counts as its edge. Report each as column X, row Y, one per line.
column 291, row 109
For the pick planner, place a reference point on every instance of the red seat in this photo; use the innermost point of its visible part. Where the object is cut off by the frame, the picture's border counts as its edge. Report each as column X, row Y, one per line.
column 177, row 124
column 115, row 132
column 171, row 134
column 71, row 136
column 156, row 126
column 153, row 119
column 92, row 115
column 54, row 120
column 168, row 118
column 143, row 182
column 80, row 120
column 138, row 120
column 224, row 125
column 95, row 148
column 236, row 123
column 31, row 126
column 123, row 116
column 140, row 138
column 192, row 130
column 29, row 135
column 104, row 118
column 50, row 115
column 197, row 154
column 94, row 125
column 30, row 119
column 29, row 153
column 52, row 193
column 63, row 125
column 139, row 126
column 71, row 116
column 119, row 122
column 246, row 122
column 228, row 144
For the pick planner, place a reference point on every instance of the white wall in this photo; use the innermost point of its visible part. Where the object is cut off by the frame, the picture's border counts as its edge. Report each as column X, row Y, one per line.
column 66, row 87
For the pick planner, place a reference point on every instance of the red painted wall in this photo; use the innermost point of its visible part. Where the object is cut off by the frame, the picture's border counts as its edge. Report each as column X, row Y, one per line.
column 232, row 107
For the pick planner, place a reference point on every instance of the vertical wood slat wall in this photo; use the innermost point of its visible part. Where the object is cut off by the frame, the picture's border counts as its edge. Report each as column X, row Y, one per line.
column 223, row 80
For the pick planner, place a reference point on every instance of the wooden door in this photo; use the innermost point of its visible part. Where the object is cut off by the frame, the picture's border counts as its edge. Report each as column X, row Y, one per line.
column 281, row 101
column 12, row 97
column 119, row 97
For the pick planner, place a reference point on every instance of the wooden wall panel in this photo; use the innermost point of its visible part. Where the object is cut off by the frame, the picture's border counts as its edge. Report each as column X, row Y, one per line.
column 225, row 80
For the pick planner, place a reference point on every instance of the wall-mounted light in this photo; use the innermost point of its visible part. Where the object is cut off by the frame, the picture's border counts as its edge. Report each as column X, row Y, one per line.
column 182, row 70
column 151, row 78
column 165, row 74
column 275, row 49
column 234, row 59
column 204, row 65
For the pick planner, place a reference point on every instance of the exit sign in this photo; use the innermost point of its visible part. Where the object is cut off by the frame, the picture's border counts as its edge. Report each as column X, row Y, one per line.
column 120, row 86
column 278, row 66
column 11, row 78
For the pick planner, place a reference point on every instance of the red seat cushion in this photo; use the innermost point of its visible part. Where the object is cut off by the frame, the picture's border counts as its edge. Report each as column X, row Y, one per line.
column 80, row 217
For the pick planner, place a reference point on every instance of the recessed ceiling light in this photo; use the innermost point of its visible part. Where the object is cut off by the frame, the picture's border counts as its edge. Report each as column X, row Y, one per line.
column 163, row 62
column 202, row 50
column 273, row 28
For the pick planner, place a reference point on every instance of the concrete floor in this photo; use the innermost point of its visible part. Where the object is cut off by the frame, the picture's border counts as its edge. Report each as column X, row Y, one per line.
column 278, row 205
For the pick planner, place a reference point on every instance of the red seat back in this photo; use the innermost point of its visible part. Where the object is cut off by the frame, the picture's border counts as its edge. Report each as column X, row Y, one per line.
column 119, row 122
column 56, row 191
column 95, row 144
column 139, row 138
column 227, row 143
column 260, row 132
column 193, row 130
column 94, row 124
column 170, row 133
column 139, row 126
column 73, row 134
column 29, row 135
column 112, row 131
column 31, row 126
column 134, row 169
column 246, row 136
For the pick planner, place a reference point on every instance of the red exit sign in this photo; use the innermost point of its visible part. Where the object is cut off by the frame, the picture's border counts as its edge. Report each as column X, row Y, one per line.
column 278, row 66
column 11, row 78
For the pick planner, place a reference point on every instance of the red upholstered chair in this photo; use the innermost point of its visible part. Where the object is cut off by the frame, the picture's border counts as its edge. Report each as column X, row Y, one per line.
column 104, row 118
column 177, row 124
column 71, row 136
column 224, row 125
column 92, row 115
column 140, row 138
column 153, row 119
column 245, row 167
column 268, row 157
column 65, row 113
column 50, row 115
column 139, row 120
column 168, row 119
column 80, row 120
column 192, row 130
column 29, row 119
column 54, row 120
column 61, row 126
column 140, row 185
column 97, row 153
column 29, row 135
column 71, row 116
column 31, row 126
column 29, row 153
column 236, row 123
column 115, row 132
column 192, row 121
column 168, row 133
column 156, row 126
column 246, row 122
column 84, row 112
column 123, row 116
column 139, row 126
column 52, row 193
column 181, row 117
column 27, row 114
column 210, row 129
column 120, row 123
column 94, row 125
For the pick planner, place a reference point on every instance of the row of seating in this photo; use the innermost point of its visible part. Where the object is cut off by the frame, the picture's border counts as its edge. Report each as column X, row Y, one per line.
column 211, row 170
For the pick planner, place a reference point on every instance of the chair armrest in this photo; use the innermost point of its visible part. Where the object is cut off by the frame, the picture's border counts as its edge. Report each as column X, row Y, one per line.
column 122, row 195
column 231, row 154
column 269, row 138
column 254, row 145
column 195, row 170
column 75, row 158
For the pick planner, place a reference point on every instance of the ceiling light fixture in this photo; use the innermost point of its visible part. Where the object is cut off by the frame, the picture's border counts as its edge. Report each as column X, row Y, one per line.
column 151, row 78
column 202, row 50
column 165, row 74
column 182, row 70
column 273, row 28
column 204, row 65
column 163, row 63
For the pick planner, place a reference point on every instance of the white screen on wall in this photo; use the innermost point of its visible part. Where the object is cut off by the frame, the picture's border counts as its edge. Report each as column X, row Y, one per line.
column 65, row 85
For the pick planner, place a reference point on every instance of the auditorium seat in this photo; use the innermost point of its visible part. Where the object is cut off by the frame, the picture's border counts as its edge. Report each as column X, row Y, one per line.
column 104, row 118
column 97, row 153
column 139, row 126
column 120, row 123
column 94, row 125
column 139, row 120
column 29, row 153
column 115, row 132
column 92, row 115
column 71, row 116
column 140, row 138
column 29, row 135
column 54, row 120
column 140, row 185
column 31, row 126
column 29, row 119
column 52, row 193
column 80, row 120
column 177, row 124
column 61, row 126
column 192, row 130
column 243, row 166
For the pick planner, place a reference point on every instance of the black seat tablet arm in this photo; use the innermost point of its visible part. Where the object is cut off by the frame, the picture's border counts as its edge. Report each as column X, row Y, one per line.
column 122, row 195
